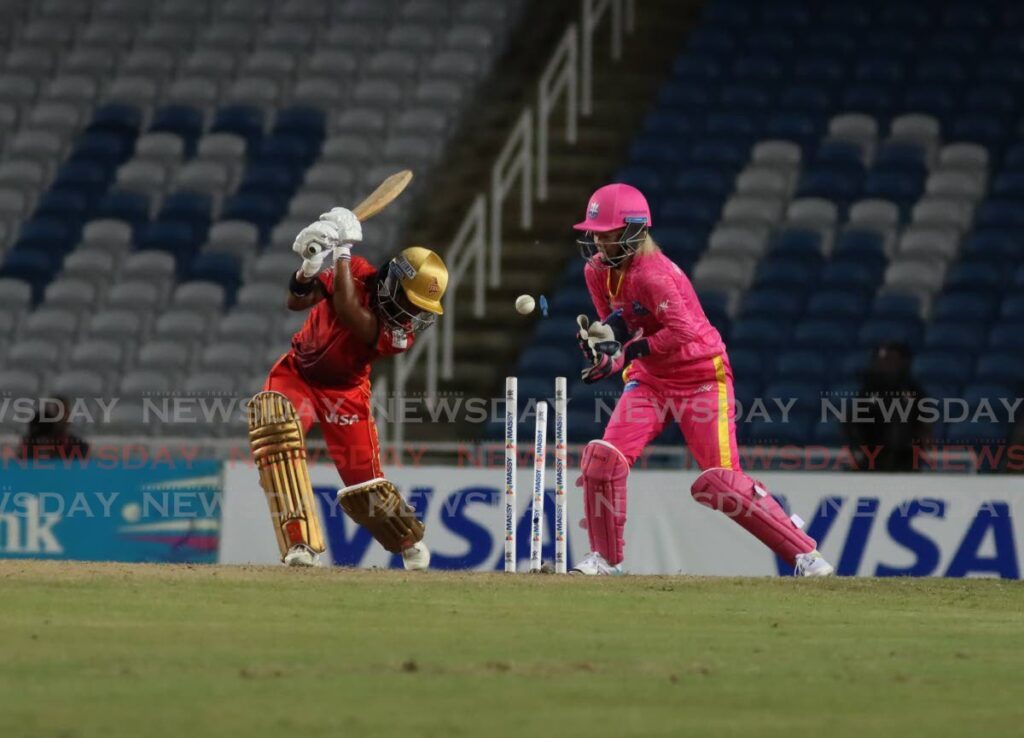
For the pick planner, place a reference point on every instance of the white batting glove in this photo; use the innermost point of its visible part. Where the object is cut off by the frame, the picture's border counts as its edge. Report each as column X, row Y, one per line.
column 313, row 244
column 350, row 230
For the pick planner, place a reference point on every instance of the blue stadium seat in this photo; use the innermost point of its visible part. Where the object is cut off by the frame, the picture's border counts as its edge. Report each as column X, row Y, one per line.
column 643, row 178
column 978, row 307
column 703, row 181
column 300, row 120
column 68, row 206
column 670, row 123
column 131, row 207
column 572, row 301
column 697, row 69
column 683, row 96
column 896, row 306
column 977, row 392
column 1006, row 337
column 838, row 305
column 727, row 15
column 710, row 42
column 261, row 210
column 819, row 70
column 725, row 153
column 849, row 277
column 120, row 119
column 103, row 148
column 972, row 277
column 786, row 274
column 807, row 98
column 932, row 367
column 1001, row 214
column 183, row 120
column 875, row 100
column 32, row 266
column 839, row 155
column 796, row 431
column 840, row 186
column 882, row 71
column 222, row 268
column 941, row 70
column 901, row 156
column 801, row 365
column 789, row 16
column 555, row 331
column 900, row 187
column 175, row 238
column 746, row 390
column 691, row 212
column 547, row 362
column 932, row 99
column 824, row 334
column 977, row 433
column 82, row 177
column 283, row 149
column 737, row 125
column 747, row 362
column 272, row 180
column 877, row 331
column 759, row 334
column 860, row 245
column 1009, row 184
column 991, row 100
column 854, row 363
column 1012, row 307
column 244, row 120
column 1002, row 368
column 955, row 336
column 771, row 305
column 193, row 208
column 993, row 245
column 801, row 244
column 745, row 98
column 46, row 234
column 757, row 68
column 1001, row 71
column 981, row 129
column 797, row 127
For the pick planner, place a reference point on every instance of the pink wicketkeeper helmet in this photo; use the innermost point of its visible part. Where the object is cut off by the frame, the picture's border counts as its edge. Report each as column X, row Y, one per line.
column 612, row 207
column 615, row 206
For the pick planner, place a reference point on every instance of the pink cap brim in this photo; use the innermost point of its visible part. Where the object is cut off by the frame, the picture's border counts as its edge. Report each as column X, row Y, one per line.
column 598, row 227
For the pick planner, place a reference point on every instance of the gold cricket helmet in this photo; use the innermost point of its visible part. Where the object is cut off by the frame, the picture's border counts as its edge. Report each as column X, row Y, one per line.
column 410, row 289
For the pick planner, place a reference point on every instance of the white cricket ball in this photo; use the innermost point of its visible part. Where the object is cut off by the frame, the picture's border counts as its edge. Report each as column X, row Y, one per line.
column 525, row 304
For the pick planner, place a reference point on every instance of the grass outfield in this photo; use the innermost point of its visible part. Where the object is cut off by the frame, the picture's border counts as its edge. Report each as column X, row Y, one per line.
column 112, row 650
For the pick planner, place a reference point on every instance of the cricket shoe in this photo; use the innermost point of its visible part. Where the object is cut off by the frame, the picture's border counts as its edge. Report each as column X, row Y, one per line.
column 594, row 564
column 300, row 555
column 812, row 564
column 416, row 557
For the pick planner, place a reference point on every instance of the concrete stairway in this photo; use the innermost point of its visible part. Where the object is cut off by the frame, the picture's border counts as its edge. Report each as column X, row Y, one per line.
column 486, row 350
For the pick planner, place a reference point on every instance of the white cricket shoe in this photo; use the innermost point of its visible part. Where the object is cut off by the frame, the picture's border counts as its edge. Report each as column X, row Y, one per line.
column 416, row 557
column 812, row 564
column 301, row 555
column 594, row 564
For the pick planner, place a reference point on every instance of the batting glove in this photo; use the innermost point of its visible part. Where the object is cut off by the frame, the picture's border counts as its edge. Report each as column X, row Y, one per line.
column 313, row 244
column 350, row 230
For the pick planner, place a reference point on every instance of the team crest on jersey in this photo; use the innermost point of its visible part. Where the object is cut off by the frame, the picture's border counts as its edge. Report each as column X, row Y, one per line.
column 433, row 289
column 630, row 386
column 593, row 209
column 399, row 339
column 639, row 309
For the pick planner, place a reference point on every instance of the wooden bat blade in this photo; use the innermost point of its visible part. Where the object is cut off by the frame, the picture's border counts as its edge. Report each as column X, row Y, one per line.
column 381, row 197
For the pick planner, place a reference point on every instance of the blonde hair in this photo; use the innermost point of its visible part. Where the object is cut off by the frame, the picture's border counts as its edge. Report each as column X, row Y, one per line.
column 649, row 246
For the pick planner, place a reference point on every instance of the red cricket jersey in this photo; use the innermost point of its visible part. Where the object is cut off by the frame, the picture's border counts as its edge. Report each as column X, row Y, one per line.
column 324, row 348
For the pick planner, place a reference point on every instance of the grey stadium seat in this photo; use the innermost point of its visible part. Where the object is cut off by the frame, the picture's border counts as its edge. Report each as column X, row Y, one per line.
column 294, row 37
column 915, row 275
column 154, row 64
column 873, row 213
column 19, row 383
column 30, row 61
column 98, row 54
column 922, row 242
column 15, row 295
column 163, row 355
column 813, row 211
column 182, row 324
column 956, row 184
column 34, row 354
column 417, row 150
column 130, row 419
column 22, row 173
column 378, row 92
column 93, row 265
column 247, row 327
column 455, row 64
column 50, row 322
column 234, row 237
column 319, row 92
column 97, row 354
column 210, row 177
column 963, row 156
column 51, row 115
column 145, row 382
column 273, row 267
column 35, row 145
column 401, row 64
column 290, row 325
column 214, row 64
column 422, row 121
column 439, row 92
column 283, row 235
column 415, row 37
column 78, row 383
column 149, row 266
column 916, row 127
column 362, row 120
column 139, row 90
column 75, row 294
column 168, row 148
column 308, row 206
column 470, row 37
column 227, row 147
column 853, row 127
column 198, row 92
column 330, row 177
column 738, row 240
column 727, row 272
column 164, row 34
column 943, row 211
column 108, row 234
column 120, row 326
column 332, row 62
column 260, row 91
column 76, row 88
column 762, row 181
column 199, row 295
column 209, row 383
column 349, row 147
column 235, row 356
column 758, row 210
column 13, row 203
column 142, row 175
column 133, row 296
column 265, row 297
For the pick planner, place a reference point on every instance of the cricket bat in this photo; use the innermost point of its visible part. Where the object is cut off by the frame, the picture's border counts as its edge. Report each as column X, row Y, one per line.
column 381, row 197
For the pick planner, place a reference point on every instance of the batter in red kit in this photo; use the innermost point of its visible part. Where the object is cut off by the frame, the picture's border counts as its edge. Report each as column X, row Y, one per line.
column 357, row 313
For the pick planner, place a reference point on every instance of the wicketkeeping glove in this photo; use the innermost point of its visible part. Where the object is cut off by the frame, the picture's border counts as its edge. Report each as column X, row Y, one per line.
column 607, row 363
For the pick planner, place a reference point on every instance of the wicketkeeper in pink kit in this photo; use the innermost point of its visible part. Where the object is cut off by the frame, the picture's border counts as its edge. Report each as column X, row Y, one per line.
column 653, row 332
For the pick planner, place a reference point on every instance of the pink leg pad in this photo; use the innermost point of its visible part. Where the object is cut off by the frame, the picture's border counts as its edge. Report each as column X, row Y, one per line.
column 605, row 470
column 748, row 503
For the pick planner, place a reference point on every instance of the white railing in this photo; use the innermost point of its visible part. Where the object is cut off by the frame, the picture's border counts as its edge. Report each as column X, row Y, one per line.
column 593, row 13
column 478, row 240
column 514, row 162
column 560, row 77
column 468, row 248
